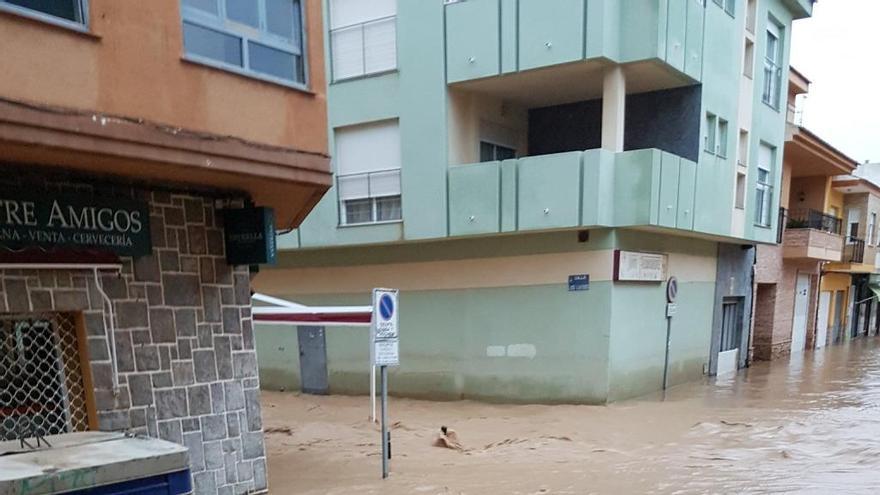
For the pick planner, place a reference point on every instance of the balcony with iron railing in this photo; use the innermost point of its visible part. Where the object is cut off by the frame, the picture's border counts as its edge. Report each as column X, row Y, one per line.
column 810, row 234
column 854, row 252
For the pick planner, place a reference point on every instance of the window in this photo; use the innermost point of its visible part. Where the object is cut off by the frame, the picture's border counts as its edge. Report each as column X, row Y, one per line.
column 490, row 152
column 872, row 223
column 852, row 219
column 368, row 173
column 743, row 151
column 749, row 59
column 729, row 6
column 261, row 38
column 751, row 15
column 363, row 37
column 764, row 186
column 42, row 391
column 772, row 66
column 722, row 138
column 75, row 11
column 740, row 190
column 711, row 129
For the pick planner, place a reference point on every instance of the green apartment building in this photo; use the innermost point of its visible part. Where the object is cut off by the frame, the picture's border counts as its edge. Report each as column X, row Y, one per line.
column 490, row 154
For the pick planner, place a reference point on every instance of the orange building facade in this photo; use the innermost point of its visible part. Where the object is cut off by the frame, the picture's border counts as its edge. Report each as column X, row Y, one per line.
column 131, row 133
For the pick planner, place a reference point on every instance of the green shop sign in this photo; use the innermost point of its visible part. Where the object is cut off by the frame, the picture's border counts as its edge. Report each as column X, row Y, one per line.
column 250, row 236
column 120, row 226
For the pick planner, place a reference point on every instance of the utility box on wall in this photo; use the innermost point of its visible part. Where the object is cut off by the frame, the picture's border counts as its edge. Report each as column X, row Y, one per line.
column 250, row 236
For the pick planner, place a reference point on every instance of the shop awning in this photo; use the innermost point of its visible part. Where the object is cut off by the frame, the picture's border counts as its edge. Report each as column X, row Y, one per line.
column 281, row 312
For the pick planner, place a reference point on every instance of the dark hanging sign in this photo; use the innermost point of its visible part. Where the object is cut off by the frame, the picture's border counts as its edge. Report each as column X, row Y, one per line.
column 50, row 221
column 250, row 236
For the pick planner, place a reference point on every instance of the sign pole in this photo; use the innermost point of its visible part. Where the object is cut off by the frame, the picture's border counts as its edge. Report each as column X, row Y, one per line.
column 671, row 296
column 386, row 437
column 666, row 359
column 385, row 352
column 372, row 393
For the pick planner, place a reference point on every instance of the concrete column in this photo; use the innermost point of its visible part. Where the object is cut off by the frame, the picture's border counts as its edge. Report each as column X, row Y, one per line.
column 613, row 109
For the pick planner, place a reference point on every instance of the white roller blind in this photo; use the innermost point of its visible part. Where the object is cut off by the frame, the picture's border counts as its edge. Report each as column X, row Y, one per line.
column 363, row 37
column 347, row 12
column 765, row 157
column 380, row 46
column 367, row 147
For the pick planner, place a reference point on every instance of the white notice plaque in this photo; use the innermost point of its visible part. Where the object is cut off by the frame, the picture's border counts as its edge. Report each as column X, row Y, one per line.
column 632, row 266
column 385, row 336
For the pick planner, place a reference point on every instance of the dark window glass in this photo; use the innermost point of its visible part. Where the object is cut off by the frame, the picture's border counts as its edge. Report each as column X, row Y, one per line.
column 243, row 11
column 65, row 9
column 504, row 153
column 206, row 5
column 212, row 44
column 388, row 208
column 358, row 211
column 487, row 152
column 271, row 61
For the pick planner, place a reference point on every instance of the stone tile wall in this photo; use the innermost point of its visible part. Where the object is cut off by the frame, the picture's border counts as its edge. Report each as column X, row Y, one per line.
column 184, row 342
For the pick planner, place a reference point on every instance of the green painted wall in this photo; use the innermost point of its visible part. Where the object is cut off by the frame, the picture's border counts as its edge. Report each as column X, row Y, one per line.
column 607, row 343
column 444, row 340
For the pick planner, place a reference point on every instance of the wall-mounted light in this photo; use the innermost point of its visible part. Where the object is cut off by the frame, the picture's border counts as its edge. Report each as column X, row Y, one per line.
column 802, row 196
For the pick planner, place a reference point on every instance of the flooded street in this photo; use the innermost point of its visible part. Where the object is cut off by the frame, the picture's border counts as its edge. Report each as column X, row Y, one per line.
column 808, row 426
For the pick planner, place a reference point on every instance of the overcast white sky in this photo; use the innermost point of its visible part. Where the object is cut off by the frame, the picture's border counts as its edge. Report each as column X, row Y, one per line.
column 838, row 49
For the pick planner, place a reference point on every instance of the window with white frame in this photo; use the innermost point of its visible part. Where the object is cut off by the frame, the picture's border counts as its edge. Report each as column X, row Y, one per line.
column 722, row 138
column 75, row 11
column 749, row 59
column 764, row 186
column 363, row 37
column 490, row 152
column 260, row 38
column 711, row 133
column 852, row 228
column 872, row 223
column 743, row 158
column 740, row 199
column 368, row 173
column 729, row 6
column 772, row 65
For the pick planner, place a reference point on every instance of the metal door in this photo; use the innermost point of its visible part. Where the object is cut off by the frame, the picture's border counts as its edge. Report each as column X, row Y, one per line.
column 801, row 303
column 313, row 360
column 837, row 324
column 822, row 321
column 731, row 335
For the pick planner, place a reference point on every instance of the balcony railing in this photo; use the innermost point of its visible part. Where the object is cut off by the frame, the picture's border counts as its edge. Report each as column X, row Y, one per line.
column 854, row 251
column 813, row 219
column 780, row 225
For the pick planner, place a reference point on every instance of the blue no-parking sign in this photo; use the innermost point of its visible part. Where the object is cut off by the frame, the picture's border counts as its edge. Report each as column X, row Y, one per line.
column 385, row 337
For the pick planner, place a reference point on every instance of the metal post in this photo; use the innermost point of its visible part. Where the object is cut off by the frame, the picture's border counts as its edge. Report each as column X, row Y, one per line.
column 666, row 359
column 372, row 393
column 385, row 438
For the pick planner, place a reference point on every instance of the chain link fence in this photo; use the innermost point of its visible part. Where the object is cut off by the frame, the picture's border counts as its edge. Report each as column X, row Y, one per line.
column 41, row 379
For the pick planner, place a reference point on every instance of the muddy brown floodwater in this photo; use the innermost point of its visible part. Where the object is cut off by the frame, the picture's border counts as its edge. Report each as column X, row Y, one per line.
column 811, row 425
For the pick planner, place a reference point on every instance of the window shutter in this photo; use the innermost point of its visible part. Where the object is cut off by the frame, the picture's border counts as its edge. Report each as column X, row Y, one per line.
column 380, row 46
column 347, row 53
column 348, row 12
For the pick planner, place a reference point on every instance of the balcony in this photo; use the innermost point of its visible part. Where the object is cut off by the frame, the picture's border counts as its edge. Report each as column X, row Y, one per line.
column 591, row 188
column 811, row 234
column 486, row 38
column 854, row 252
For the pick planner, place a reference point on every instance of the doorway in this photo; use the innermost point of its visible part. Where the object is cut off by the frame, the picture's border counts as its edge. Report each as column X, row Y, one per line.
column 837, row 324
column 801, row 305
column 822, row 320
column 313, row 360
column 731, row 335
